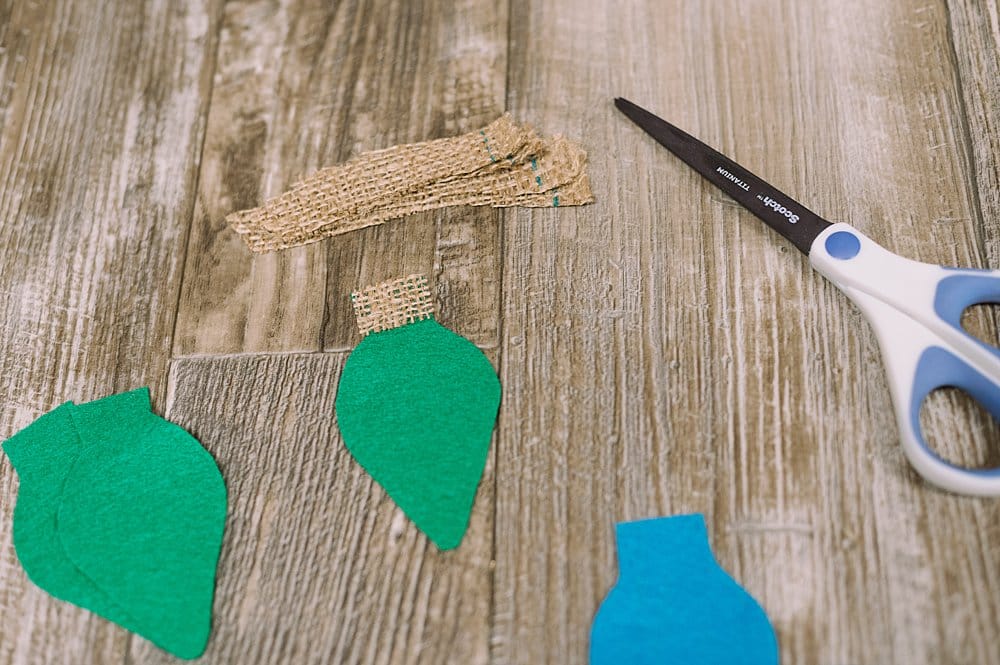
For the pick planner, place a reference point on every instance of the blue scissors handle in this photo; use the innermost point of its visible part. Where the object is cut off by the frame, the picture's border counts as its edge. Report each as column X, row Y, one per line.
column 915, row 309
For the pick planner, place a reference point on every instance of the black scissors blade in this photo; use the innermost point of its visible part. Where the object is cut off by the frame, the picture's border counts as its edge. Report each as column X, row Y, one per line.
column 778, row 210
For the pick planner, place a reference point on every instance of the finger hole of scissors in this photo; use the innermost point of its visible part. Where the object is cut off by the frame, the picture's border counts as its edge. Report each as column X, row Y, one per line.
column 960, row 430
column 982, row 321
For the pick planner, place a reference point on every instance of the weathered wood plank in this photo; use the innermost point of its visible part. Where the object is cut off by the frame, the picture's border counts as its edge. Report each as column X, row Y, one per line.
column 318, row 564
column 102, row 109
column 975, row 35
column 664, row 352
column 302, row 84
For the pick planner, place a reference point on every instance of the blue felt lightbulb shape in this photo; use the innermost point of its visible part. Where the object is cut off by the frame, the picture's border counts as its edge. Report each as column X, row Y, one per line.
column 674, row 604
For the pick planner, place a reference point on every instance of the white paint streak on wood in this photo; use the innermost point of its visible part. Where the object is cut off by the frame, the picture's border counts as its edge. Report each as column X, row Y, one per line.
column 767, row 388
column 661, row 351
column 99, row 146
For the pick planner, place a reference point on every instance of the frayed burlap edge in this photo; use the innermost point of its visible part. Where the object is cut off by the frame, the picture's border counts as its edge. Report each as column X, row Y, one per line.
column 501, row 165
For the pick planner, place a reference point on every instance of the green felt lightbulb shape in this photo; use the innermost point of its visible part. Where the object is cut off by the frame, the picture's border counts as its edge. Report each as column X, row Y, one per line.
column 416, row 407
column 122, row 513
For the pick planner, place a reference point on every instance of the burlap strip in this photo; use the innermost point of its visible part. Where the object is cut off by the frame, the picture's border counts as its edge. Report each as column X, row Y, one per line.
column 501, row 165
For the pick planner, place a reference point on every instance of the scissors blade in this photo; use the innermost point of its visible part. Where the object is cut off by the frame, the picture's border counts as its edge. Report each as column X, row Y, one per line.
column 778, row 210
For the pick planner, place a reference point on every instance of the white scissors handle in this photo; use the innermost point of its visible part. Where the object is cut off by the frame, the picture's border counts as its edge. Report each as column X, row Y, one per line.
column 915, row 309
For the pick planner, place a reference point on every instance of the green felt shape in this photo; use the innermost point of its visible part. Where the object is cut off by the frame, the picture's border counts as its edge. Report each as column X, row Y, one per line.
column 42, row 454
column 416, row 407
column 142, row 514
column 139, row 517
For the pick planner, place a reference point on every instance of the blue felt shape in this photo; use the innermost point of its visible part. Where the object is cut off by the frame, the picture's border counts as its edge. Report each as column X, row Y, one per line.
column 674, row 604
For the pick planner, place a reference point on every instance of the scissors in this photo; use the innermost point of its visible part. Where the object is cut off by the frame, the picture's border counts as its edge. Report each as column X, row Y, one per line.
column 915, row 308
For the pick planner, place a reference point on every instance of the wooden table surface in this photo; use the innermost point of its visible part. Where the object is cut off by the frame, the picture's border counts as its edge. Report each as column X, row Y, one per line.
column 661, row 351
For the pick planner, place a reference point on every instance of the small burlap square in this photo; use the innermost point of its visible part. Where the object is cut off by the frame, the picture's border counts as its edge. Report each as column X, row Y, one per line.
column 392, row 304
column 501, row 165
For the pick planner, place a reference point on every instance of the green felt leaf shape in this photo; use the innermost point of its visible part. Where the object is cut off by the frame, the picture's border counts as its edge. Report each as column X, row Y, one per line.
column 137, row 521
column 42, row 455
column 416, row 407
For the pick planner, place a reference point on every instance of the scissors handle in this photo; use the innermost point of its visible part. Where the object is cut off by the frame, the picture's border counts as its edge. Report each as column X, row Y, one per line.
column 915, row 309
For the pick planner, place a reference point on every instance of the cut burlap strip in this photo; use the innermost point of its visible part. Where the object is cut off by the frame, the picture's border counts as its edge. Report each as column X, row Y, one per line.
column 392, row 304
column 501, row 165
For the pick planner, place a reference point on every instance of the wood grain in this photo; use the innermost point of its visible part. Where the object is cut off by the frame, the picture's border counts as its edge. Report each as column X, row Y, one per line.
column 665, row 353
column 975, row 38
column 302, row 84
column 99, row 143
column 318, row 564
column 661, row 351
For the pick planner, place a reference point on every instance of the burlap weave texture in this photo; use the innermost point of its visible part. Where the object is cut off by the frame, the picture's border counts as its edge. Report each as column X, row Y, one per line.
column 392, row 304
column 501, row 165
